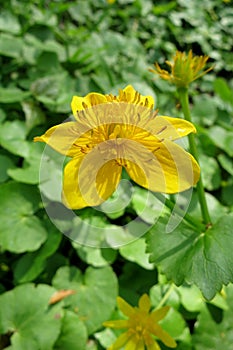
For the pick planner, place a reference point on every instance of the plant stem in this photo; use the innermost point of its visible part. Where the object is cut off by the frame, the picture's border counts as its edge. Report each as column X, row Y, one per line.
column 177, row 210
column 184, row 100
column 166, row 296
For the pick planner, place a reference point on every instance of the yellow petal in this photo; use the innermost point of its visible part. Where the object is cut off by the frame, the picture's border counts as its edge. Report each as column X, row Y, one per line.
column 144, row 303
column 126, row 308
column 164, row 127
column 140, row 345
column 153, row 345
column 120, row 342
column 71, row 195
column 80, row 103
column 130, row 95
column 63, row 137
column 90, row 180
column 132, row 344
column 169, row 169
column 117, row 324
column 159, row 314
column 163, row 335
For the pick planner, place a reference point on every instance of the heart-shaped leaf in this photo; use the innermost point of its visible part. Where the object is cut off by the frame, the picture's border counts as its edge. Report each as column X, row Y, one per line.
column 27, row 316
column 96, row 293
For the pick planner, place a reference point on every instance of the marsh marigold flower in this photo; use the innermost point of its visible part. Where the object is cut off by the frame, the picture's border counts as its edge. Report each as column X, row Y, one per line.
column 184, row 69
column 114, row 132
column 141, row 326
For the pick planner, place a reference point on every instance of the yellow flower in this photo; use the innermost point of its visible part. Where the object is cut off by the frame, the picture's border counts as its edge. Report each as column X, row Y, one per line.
column 142, row 326
column 184, row 69
column 111, row 132
column 111, row 1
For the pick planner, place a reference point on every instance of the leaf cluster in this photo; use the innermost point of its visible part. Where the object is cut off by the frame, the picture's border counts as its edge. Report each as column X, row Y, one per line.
column 50, row 51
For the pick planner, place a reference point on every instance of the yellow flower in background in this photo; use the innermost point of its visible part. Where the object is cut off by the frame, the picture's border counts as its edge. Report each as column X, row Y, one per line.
column 184, row 69
column 141, row 326
column 111, row 1
column 115, row 132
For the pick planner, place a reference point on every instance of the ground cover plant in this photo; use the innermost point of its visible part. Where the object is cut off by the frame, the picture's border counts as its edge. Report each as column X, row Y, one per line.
column 89, row 278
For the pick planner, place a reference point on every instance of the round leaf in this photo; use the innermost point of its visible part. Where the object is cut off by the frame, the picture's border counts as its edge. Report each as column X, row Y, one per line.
column 20, row 230
column 25, row 312
column 73, row 334
column 96, row 293
column 30, row 265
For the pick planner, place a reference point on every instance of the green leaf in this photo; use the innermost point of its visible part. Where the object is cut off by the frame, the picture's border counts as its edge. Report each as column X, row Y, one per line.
column 95, row 256
column 91, row 345
column 159, row 9
column 2, row 115
column 158, row 291
column 10, row 45
column 211, row 174
column 96, row 293
column 9, row 22
column 223, row 90
column 25, row 312
column 12, row 95
column 30, row 171
column 50, row 171
column 146, row 205
column 174, row 324
column 216, row 209
column 54, row 91
column 30, row 265
column 48, row 62
column 195, row 257
column 91, row 228
column 191, row 298
column 204, row 110
column 106, row 337
column 222, row 138
column 6, row 163
column 116, row 204
column 210, row 335
column 33, row 114
column 136, row 252
column 73, row 334
column 28, row 174
column 12, row 137
column 227, row 195
column 20, row 230
column 226, row 162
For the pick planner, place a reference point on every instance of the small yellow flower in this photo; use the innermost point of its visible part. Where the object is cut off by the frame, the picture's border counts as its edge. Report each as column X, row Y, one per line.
column 115, row 132
column 111, row 1
column 184, row 69
column 142, row 326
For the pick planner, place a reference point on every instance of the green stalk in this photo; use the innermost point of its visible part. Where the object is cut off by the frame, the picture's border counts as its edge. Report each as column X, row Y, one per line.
column 184, row 100
column 166, row 296
column 177, row 210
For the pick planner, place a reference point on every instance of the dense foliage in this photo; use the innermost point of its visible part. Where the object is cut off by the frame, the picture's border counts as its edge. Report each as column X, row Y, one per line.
column 50, row 51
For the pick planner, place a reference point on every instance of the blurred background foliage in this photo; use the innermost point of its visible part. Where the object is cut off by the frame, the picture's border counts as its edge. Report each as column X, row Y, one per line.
column 50, row 51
